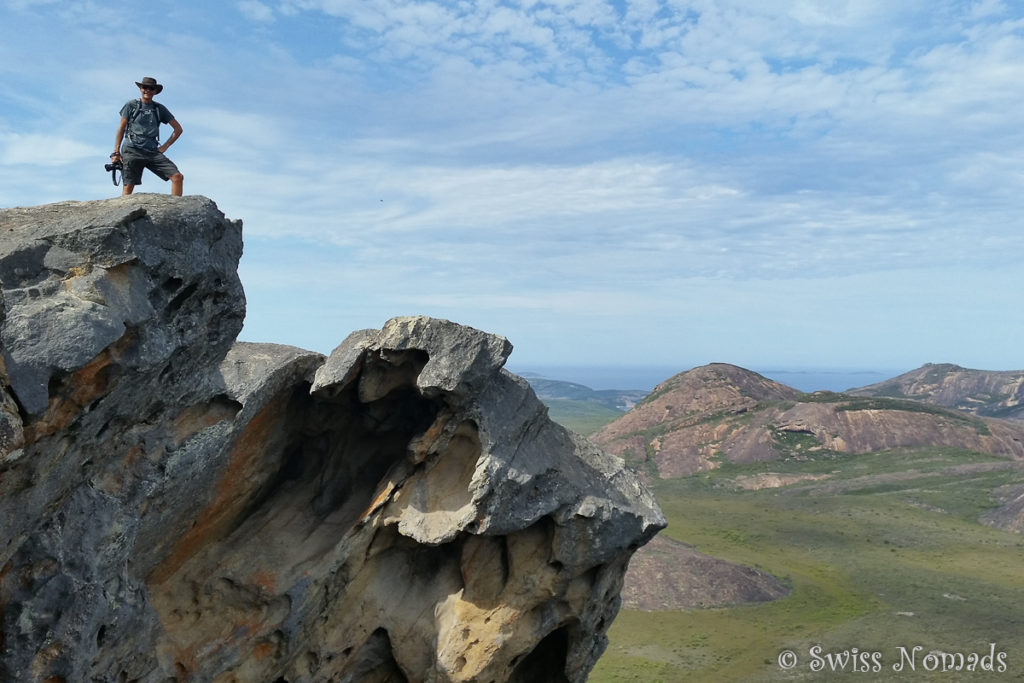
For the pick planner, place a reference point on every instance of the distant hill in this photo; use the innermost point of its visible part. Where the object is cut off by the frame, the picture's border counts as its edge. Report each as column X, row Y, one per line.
column 719, row 413
column 556, row 390
column 579, row 407
column 981, row 392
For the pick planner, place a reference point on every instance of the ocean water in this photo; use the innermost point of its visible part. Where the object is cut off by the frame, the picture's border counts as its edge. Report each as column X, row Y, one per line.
column 830, row 380
column 646, row 378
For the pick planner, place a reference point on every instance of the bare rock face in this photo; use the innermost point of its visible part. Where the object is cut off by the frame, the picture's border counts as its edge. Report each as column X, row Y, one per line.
column 1009, row 514
column 982, row 392
column 175, row 505
column 667, row 574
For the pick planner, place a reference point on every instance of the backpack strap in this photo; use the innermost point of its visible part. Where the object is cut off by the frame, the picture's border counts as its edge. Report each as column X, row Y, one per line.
column 136, row 110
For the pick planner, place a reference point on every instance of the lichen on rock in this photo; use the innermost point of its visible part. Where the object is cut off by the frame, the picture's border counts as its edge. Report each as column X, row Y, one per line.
column 178, row 505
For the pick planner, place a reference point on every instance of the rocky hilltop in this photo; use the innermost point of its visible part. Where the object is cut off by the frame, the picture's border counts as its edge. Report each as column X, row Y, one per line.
column 981, row 392
column 722, row 413
column 176, row 505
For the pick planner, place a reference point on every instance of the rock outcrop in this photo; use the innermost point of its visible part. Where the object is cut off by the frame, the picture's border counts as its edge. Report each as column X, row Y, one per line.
column 721, row 413
column 667, row 574
column 981, row 392
column 1009, row 513
column 176, row 505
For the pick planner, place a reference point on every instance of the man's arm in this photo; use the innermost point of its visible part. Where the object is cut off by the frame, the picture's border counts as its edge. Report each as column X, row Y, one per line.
column 174, row 136
column 120, row 136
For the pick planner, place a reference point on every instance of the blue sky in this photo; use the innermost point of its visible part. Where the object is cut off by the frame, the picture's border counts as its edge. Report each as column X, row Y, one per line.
column 810, row 183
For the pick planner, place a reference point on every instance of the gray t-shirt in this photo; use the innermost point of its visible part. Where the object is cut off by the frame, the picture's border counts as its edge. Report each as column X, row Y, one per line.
column 143, row 131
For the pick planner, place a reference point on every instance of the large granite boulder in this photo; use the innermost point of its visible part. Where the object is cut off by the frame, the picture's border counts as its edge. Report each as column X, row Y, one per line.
column 176, row 505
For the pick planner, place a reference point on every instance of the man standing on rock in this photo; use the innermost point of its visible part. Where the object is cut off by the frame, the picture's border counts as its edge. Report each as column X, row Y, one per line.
column 140, row 131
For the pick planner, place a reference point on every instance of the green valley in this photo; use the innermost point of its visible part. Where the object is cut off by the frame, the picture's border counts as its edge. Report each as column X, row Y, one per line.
column 885, row 553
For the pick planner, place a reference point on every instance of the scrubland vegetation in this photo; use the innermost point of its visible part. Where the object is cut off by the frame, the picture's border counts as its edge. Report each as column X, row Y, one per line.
column 885, row 553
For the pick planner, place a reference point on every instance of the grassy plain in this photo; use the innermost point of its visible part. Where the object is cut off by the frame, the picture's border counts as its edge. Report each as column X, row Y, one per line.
column 583, row 417
column 887, row 552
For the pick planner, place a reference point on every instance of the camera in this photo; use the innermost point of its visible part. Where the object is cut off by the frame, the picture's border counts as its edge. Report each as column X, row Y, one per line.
column 114, row 168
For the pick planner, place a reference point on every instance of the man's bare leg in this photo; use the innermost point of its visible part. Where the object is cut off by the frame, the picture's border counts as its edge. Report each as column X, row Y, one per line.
column 127, row 189
column 177, row 181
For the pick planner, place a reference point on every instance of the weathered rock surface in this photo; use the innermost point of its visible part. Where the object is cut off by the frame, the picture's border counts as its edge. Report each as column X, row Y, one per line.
column 981, row 392
column 721, row 413
column 175, row 505
column 667, row 574
column 1009, row 514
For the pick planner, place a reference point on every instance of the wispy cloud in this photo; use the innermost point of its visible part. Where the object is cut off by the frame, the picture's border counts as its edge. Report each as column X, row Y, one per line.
column 571, row 167
column 43, row 150
column 255, row 11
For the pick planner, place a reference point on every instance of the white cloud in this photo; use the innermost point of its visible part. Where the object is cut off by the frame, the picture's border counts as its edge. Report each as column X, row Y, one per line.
column 254, row 10
column 987, row 8
column 44, row 150
column 26, row 4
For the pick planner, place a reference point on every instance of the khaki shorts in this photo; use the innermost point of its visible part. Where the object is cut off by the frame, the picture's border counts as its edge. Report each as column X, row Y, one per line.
column 135, row 159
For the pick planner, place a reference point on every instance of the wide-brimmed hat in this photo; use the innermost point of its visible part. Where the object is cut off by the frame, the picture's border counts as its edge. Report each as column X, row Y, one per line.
column 150, row 82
